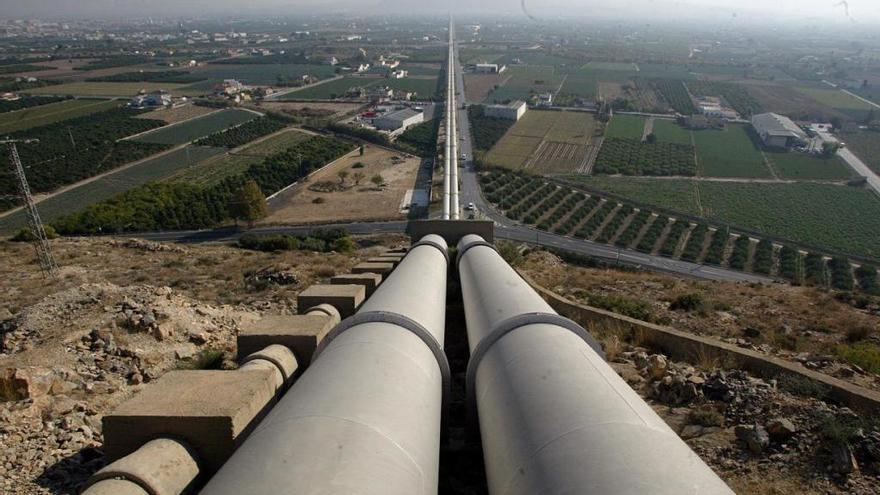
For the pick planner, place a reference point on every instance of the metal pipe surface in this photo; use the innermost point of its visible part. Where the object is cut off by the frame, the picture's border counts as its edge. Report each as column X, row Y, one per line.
column 454, row 208
column 365, row 417
column 554, row 417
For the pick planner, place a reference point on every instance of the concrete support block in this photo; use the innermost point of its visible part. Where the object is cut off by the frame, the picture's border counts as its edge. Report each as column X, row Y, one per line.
column 160, row 467
column 299, row 333
column 369, row 280
column 395, row 252
column 278, row 356
column 345, row 298
column 381, row 268
column 211, row 411
column 394, row 260
column 115, row 487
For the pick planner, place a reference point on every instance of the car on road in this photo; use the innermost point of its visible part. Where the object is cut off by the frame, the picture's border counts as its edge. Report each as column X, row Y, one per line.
column 470, row 207
column 464, row 156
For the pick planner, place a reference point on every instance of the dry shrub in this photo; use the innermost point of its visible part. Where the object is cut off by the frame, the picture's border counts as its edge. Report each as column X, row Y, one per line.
column 325, row 271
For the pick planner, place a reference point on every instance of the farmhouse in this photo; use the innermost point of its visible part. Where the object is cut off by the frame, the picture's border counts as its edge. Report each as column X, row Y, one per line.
column 512, row 111
column 153, row 100
column 398, row 74
column 489, row 68
column 778, row 131
column 399, row 120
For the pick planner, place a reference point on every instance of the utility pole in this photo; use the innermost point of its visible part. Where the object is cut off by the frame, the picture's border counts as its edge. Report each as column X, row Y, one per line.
column 41, row 240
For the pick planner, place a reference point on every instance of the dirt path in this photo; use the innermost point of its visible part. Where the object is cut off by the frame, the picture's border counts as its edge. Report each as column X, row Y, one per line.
column 649, row 128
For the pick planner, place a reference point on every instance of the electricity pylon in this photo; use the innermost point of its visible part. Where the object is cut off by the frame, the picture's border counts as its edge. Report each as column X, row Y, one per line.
column 40, row 239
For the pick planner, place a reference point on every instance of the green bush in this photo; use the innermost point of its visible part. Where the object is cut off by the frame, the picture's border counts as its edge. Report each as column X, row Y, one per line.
column 688, row 302
column 625, row 306
column 25, row 235
column 862, row 354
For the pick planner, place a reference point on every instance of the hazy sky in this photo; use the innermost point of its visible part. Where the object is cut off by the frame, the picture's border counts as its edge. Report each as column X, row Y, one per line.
column 860, row 11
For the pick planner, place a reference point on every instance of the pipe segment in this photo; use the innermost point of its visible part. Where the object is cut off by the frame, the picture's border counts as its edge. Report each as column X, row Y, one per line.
column 160, row 467
column 365, row 416
column 554, row 418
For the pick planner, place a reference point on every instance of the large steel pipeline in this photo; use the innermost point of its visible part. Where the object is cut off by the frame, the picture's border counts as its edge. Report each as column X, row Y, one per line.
column 554, row 417
column 454, row 207
column 365, row 416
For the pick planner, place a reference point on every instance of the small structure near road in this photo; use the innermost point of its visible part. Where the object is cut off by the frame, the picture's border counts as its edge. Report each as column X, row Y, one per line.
column 511, row 111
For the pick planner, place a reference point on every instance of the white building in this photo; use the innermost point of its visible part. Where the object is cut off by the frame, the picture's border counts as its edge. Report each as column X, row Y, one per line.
column 489, row 68
column 778, row 131
column 399, row 120
column 512, row 111
column 545, row 100
column 398, row 74
column 152, row 100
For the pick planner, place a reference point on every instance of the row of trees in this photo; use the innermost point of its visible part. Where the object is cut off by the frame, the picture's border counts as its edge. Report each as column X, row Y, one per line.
column 168, row 76
column 633, row 157
column 178, row 206
column 76, row 149
column 243, row 134
column 27, row 102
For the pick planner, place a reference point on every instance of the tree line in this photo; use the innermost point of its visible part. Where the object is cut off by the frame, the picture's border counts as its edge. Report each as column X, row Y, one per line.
column 182, row 206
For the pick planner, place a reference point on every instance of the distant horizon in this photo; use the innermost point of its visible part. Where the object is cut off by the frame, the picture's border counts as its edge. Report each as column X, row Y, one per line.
column 854, row 13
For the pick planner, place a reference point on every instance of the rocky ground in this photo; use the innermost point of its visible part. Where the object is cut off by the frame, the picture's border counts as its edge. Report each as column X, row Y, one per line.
column 121, row 313
column 757, row 435
column 801, row 324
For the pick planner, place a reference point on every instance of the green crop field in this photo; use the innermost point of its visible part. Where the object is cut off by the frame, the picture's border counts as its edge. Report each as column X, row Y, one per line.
column 866, row 145
column 113, row 89
column 579, row 85
column 51, row 113
column 216, row 168
column 836, row 217
column 259, row 74
column 668, row 131
column 793, row 165
column 108, row 186
column 524, row 81
column 612, row 66
column 626, row 126
column 729, row 153
column 835, row 98
column 197, row 128
column 545, row 141
column 424, row 86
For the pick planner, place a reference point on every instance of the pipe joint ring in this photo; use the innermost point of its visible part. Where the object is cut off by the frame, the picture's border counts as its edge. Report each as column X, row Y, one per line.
column 402, row 321
column 472, row 245
column 505, row 327
column 432, row 244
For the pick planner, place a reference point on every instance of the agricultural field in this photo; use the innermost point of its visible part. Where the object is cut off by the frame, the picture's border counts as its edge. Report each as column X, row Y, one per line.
column 675, row 94
column 478, row 86
column 788, row 101
column 633, row 157
column 546, row 142
column 525, row 81
column 668, row 131
column 114, row 89
column 191, row 130
column 835, row 98
column 612, row 66
column 626, row 126
column 76, row 149
column 216, row 168
column 831, row 216
column 800, row 166
column 866, row 145
column 262, row 74
column 51, row 113
column 729, row 153
column 352, row 199
column 309, row 109
column 423, row 86
column 176, row 114
column 242, row 134
column 735, row 95
column 75, row 199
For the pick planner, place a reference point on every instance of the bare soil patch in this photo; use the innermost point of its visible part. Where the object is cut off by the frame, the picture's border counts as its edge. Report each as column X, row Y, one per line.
column 363, row 201
column 478, row 86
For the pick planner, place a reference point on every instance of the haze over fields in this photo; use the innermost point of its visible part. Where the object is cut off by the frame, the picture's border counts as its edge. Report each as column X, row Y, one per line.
column 828, row 11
